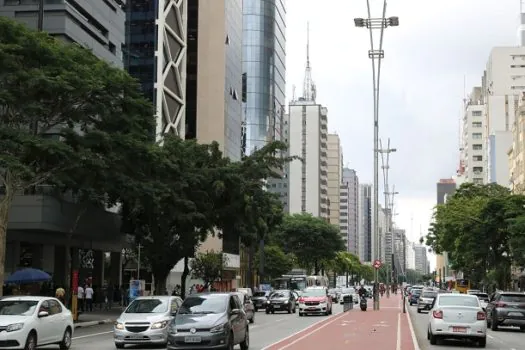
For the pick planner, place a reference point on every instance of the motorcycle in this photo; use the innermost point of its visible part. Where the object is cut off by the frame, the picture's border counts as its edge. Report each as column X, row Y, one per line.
column 363, row 304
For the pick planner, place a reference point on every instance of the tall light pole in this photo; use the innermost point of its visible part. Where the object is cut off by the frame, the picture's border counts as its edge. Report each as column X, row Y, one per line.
column 385, row 166
column 376, row 55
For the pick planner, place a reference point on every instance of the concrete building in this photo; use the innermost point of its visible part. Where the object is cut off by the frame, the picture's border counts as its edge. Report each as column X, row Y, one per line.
column 334, row 178
column 155, row 54
column 400, row 245
column 264, row 67
column 410, row 255
column 473, row 134
column 516, row 153
column 420, row 258
column 444, row 189
column 503, row 83
column 39, row 223
column 349, row 221
column 365, row 223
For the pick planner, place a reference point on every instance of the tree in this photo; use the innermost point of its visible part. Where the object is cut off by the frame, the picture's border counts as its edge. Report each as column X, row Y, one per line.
column 366, row 272
column 49, row 91
column 311, row 239
column 208, row 266
column 277, row 262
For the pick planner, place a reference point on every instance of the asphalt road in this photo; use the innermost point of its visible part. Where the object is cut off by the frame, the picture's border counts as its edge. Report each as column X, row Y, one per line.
column 266, row 330
column 504, row 339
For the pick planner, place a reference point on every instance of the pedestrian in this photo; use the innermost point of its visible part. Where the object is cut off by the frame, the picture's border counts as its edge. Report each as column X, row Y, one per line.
column 81, row 298
column 60, row 294
column 89, row 298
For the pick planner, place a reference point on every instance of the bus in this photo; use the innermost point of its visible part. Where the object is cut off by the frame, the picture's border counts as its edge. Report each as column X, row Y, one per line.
column 460, row 286
column 292, row 282
column 317, row 281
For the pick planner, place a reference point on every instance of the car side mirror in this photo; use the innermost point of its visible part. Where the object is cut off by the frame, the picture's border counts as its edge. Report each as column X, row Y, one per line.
column 43, row 314
column 235, row 312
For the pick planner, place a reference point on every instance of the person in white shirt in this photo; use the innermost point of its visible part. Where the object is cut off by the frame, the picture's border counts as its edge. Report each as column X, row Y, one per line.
column 80, row 297
column 89, row 298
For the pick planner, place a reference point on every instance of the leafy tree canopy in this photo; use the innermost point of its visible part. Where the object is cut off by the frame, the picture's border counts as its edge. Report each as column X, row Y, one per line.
column 277, row 262
column 208, row 266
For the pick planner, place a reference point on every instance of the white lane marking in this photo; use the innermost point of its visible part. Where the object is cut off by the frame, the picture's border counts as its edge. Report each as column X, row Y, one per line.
column 489, row 336
column 398, row 345
column 333, row 319
column 91, row 335
column 414, row 339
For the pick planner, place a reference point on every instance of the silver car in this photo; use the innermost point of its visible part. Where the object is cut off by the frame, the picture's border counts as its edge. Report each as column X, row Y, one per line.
column 146, row 321
column 457, row 316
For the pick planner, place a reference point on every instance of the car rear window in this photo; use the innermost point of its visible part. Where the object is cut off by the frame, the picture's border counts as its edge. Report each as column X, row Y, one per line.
column 416, row 291
column 513, row 298
column 458, row 300
column 429, row 295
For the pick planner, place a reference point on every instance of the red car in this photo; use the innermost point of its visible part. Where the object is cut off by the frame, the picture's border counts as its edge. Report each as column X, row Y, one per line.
column 315, row 300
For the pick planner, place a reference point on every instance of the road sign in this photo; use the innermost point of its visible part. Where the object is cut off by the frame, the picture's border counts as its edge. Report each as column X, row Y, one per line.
column 377, row 264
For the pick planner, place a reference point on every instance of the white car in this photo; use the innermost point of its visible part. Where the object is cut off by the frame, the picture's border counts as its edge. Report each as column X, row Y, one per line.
column 457, row 316
column 29, row 321
column 349, row 292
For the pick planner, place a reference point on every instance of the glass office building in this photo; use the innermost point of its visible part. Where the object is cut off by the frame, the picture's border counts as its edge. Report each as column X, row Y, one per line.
column 264, row 65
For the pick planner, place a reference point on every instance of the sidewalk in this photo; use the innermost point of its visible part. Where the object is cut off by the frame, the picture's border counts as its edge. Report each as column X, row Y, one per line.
column 89, row 319
column 386, row 329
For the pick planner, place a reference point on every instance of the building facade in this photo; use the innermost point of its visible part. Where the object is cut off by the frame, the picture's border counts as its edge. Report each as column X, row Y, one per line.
column 420, row 259
column 517, row 152
column 334, row 178
column 350, row 209
column 445, row 188
column 365, row 240
column 264, row 67
column 39, row 223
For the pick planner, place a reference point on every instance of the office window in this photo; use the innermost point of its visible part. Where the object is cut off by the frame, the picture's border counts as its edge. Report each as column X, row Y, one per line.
column 476, row 124
column 477, row 158
column 476, row 136
column 476, row 113
column 477, row 146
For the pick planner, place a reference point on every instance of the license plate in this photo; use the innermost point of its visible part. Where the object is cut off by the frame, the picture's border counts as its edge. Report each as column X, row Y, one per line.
column 135, row 337
column 192, row 340
column 311, row 308
column 515, row 314
column 459, row 330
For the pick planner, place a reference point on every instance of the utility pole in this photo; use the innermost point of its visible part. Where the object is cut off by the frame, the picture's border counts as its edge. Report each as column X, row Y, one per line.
column 139, row 248
column 40, row 15
column 385, row 166
column 376, row 55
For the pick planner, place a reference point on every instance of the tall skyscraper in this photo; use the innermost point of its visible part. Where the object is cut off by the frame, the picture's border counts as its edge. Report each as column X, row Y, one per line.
column 349, row 221
column 264, row 67
column 155, row 54
column 335, row 172
column 365, row 223
column 308, row 137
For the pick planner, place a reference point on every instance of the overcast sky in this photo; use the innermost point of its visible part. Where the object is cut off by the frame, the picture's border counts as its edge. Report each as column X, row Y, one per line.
column 437, row 46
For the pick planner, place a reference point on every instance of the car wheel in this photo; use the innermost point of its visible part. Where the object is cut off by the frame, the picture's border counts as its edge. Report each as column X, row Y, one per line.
column 267, row 311
column 522, row 328
column 256, row 309
column 301, row 314
column 428, row 334
column 494, row 325
column 294, row 309
column 433, row 339
column 65, row 344
column 252, row 319
column 31, row 341
column 230, row 345
column 119, row 346
column 418, row 311
column 290, row 309
column 245, row 344
column 482, row 343
column 273, row 311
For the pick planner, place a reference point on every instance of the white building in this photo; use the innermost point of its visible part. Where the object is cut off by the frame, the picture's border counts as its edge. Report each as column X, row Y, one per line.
column 503, row 82
column 365, row 240
column 420, row 258
column 349, row 221
column 335, row 175
column 307, row 178
column 473, row 136
column 410, row 256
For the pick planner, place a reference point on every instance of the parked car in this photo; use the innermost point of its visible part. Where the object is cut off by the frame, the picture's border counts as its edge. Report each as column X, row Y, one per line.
column 29, row 322
column 315, row 300
column 506, row 309
column 281, row 300
column 249, row 309
column 209, row 321
column 457, row 316
column 146, row 320
column 259, row 300
column 426, row 300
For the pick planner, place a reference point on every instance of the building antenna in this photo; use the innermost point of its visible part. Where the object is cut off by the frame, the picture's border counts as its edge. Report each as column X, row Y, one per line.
column 293, row 93
column 309, row 90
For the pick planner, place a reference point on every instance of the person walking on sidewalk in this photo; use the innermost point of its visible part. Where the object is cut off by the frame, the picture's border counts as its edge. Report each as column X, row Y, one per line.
column 89, row 298
column 81, row 297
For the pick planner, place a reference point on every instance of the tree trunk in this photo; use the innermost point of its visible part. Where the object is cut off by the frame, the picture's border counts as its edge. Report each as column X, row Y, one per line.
column 160, row 285
column 185, row 273
column 69, row 256
column 249, row 272
column 5, row 205
column 262, row 261
column 346, row 279
column 316, row 268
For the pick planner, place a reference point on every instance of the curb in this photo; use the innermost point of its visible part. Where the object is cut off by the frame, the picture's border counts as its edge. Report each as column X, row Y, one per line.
column 92, row 323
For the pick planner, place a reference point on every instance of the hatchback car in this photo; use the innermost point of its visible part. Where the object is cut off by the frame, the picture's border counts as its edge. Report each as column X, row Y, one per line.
column 457, row 316
column 426, row 300
column 210, row 321
column 248, row 306
column 414, row 295
column 281, row 300
column 315, row 300
column 506, row 309
column 146, row 320
column 29, row 322
column 259, row 300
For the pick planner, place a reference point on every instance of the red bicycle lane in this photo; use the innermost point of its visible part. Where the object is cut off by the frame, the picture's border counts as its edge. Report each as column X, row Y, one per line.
column 385, row 329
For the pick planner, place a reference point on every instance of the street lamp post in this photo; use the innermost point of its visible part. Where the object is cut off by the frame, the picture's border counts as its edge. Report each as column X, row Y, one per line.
column 139, row 248
column 376, row 54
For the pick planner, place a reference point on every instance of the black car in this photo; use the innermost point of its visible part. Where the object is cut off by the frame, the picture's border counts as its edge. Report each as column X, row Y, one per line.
column 414, row 295
column 281, row 300
column 259, row 300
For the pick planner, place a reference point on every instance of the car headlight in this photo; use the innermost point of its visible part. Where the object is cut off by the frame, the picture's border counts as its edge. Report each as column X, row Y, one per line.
column 218, row 329
column 14, row 327
column 159, row 325
column 286, row 301
column 119, row 325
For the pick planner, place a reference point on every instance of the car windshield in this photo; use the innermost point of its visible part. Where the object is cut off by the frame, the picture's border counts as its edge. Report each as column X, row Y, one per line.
column 209, row 304
column 416, row 291
column 348, row 290
column 458, row 300
column 513, row 298
column 259, row 294
column 147, row 306
column 280, row 295
column 314, row 293
column 429, row 295
column 18, row 307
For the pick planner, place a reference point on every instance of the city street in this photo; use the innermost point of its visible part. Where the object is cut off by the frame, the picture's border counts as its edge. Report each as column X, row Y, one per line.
column 266, row 330
column 504, row 339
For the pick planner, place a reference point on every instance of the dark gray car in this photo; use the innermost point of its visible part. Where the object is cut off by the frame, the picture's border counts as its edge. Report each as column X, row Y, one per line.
column 209, row 321
column 506, row 309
